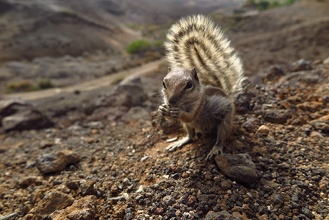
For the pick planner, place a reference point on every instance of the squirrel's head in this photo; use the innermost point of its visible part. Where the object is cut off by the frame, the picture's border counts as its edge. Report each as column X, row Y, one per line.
column 181, row 87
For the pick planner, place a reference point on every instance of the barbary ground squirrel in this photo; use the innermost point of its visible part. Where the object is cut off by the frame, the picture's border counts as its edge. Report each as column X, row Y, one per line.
column 205, row 76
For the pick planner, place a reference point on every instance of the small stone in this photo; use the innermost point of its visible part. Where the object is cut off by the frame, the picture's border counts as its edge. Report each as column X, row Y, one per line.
column 159, row 211
column 30, row 180
column 185, row 175
column 277, row 116
column 251, row 124
column 263, row 130
column 316, row 134
column 301, row 65
column 168, row 200
column 49, row 163
column 238, row 167
column 74, row 185
column 308, row 213
column 88, row 188
column 143, row 159
column 191, row 200
column 277, row 199
column 226, row 184
column 175, row 176
column 45, row 144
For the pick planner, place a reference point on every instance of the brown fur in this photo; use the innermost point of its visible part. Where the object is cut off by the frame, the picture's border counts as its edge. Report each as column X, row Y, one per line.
column 205, row 77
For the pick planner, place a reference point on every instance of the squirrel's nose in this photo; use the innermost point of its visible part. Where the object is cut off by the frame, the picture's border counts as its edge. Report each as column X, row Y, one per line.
column 173, row 101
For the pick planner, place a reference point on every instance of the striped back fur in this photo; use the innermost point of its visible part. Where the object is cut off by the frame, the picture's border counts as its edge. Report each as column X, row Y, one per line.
column 195, row 41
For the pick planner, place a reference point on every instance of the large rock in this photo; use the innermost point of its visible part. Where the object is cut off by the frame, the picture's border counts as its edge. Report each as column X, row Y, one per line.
column 20, row 115
column 223, row 215
column 82, row 209
column 238, row 167
column 277, row 116
column 128, row 94
column 54, row 200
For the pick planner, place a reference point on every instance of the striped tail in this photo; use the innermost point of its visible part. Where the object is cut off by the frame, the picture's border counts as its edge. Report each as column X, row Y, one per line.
column 195, row 41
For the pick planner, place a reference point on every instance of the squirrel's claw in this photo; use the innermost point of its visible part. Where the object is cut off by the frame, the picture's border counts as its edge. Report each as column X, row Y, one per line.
column 174, row 112
column 216, row 150
column 178, row 144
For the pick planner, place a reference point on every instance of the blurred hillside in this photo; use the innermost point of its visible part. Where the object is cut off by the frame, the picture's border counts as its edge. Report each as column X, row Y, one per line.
column 59, row 43
column 36, row 28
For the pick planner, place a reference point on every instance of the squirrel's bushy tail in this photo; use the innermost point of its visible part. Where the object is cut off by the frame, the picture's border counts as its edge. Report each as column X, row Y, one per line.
column 196, row 42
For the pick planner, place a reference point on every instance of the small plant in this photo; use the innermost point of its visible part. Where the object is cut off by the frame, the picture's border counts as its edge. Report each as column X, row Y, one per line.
column 67, row 12
column 19, row 86
column 45, row 84
column 27, row 86
column 267, row 4
column 138, row 47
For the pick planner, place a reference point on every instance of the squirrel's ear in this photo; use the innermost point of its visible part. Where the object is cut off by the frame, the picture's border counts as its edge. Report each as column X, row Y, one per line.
column 194, row 74
column 169, row 69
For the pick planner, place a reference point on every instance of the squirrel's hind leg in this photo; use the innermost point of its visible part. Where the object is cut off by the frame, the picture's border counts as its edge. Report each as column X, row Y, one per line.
column 223, row 131
column 182, row 142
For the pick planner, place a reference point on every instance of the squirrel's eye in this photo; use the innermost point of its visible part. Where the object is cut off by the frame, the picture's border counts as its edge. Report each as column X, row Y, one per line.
column 189, row 85
column 164, row 85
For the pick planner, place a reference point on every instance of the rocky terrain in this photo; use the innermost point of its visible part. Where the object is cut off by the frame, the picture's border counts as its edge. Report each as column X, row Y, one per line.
column 105, row 159
column 98, row 152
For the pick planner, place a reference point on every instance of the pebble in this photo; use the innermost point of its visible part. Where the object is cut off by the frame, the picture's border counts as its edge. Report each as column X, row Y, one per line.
column 251, row 124
column 168, row 200
column 301, row 65
column 159, row 211
column 88, row 188
column 74, row 185
column 27, row 181
column 316, row 134
column 263, row 130
column 50, row 163
column 226, row 184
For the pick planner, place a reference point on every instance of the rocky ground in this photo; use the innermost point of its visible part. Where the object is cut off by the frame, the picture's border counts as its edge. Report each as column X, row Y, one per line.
column 100, row 153
column 104, row 157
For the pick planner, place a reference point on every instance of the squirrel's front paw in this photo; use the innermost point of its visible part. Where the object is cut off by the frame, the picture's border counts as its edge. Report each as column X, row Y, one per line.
column 164, row 110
